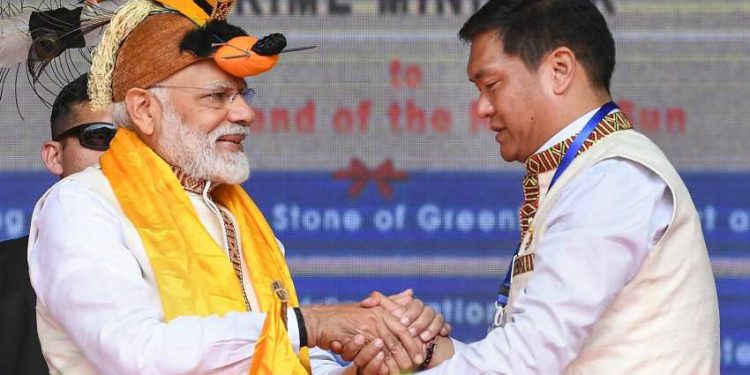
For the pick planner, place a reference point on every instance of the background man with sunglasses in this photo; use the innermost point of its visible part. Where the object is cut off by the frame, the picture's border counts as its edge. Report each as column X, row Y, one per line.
column 79, row 137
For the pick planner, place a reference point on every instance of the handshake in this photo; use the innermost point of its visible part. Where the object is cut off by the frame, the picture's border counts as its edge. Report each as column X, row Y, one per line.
column 382, row 334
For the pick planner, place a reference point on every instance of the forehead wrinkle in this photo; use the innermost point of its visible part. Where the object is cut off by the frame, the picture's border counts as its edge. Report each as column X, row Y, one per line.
column 479, row 62
column 223, row 84
column 477, row 76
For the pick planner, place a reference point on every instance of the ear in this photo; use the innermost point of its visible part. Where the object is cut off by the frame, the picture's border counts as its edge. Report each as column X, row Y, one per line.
column 52, row 157
column 143, row 109
column 561, row 65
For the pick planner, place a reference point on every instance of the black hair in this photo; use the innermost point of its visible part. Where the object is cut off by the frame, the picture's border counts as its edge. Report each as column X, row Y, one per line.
column 199, row 40
column 531, row 29
column 73, row 93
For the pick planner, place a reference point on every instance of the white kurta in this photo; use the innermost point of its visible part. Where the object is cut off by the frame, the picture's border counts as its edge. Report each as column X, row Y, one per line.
column 98, row 308
column 598, row 235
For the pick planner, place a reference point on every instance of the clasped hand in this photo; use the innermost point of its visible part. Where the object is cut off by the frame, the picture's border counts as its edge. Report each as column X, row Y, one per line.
column 380, row 335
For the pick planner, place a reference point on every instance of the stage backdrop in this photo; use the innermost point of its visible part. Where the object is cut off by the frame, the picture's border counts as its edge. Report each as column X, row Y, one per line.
column 373, row 170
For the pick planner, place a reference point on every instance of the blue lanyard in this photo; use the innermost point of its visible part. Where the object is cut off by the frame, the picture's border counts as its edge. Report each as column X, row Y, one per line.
column 502, row 295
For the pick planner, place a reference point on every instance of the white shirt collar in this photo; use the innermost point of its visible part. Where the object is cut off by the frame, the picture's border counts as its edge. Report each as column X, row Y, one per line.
column 571, row 129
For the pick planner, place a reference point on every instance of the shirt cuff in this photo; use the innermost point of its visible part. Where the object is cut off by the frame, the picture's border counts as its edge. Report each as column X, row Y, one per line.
column 293, row 328
column 457, row 345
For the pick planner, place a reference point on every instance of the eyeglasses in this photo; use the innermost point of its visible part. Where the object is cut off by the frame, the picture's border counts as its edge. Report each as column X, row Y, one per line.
column 92, row 135
column 218, row 97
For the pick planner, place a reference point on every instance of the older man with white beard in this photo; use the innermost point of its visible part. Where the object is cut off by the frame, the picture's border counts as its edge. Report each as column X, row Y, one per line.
column 213, row 152
column 157, row 261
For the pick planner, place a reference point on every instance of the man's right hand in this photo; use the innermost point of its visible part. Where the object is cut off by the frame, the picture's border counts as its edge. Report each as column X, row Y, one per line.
column 342, row 323
column 422, row 320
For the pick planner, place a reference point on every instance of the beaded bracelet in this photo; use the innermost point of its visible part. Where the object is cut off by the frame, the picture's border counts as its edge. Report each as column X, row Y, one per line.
column 428, row 356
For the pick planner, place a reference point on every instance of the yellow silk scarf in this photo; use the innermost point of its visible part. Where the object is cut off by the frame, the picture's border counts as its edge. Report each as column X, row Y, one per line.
column 194, row 274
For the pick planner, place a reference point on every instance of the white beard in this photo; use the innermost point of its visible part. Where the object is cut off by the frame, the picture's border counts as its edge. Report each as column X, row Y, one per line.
column 195, row 152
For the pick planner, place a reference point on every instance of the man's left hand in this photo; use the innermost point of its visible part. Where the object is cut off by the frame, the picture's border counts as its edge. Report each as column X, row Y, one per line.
column 422, row 321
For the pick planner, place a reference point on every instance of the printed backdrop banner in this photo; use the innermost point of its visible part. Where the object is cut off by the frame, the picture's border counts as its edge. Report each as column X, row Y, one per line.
column 373, row 169
column 451, row 213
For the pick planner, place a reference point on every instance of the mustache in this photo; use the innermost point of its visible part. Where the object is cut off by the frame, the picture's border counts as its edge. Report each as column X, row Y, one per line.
column 227, row 130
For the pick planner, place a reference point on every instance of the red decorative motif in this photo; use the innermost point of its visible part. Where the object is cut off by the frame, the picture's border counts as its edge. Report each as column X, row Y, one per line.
column 383, row 175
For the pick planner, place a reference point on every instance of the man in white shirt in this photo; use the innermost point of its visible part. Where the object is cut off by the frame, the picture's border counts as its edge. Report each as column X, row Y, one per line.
column 612, row 275
column 79, row 137
column 156, row 261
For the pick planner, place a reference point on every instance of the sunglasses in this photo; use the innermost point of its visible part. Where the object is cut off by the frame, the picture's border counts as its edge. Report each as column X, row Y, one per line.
column 92, row 135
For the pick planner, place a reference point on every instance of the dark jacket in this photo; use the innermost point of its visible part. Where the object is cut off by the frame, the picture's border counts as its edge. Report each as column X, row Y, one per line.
column 20, row 352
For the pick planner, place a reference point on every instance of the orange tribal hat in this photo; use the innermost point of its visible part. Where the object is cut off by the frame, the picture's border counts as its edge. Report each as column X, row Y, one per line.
column 146, row 41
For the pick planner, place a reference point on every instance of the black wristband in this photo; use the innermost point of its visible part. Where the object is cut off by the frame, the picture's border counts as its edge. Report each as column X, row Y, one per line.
column 428, row 356
column 302, row 327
